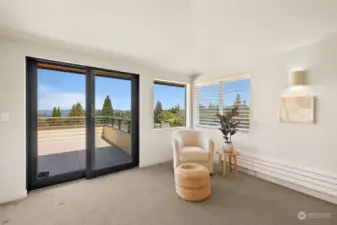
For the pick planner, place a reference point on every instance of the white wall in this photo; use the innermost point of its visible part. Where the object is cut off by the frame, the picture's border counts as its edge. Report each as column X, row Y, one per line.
column 301, row 154
column 155, row 145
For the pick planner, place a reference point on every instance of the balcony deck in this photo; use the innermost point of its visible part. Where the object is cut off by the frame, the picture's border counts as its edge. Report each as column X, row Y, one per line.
column 65, row 156
column 63, row 149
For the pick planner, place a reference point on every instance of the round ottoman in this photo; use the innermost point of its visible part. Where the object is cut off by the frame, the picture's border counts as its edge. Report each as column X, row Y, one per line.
column 192, row 182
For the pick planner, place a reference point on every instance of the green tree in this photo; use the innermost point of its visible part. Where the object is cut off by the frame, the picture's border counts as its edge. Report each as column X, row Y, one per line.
column 177, row 122
column 175, row 109
column 54, row 113
column 77, row 110
column 212, row 106
column 167, row 115
column 72, row 111
column 118, row 114
column 107, row 109
column 59, row 114
column 158, row 113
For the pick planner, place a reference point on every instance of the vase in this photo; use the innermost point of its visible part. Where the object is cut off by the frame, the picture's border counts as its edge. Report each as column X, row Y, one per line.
column 228, row 147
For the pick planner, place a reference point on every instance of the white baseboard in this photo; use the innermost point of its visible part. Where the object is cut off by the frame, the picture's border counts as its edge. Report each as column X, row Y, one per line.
column 6, row 199
column 296, row 187
column 152, row 163
column 313, row 182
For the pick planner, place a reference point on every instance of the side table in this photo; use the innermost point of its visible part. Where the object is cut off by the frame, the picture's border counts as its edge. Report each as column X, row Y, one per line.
column 231, row 155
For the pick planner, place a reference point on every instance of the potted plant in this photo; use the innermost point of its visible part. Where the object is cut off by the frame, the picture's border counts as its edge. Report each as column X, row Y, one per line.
column 228, row 127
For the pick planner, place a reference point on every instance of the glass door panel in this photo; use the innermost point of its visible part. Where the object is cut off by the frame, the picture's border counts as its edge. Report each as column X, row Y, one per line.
column 61, row 122
column 112, row 113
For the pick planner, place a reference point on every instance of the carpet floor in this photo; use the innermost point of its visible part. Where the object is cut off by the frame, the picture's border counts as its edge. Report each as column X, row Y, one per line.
column 147, row 196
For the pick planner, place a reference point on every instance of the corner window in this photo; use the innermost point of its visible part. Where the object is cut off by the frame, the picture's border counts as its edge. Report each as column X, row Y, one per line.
column 169, row 105
column 221, row 96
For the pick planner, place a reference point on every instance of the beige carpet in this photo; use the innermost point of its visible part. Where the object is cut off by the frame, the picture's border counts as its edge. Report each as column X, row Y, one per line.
column 147, row 196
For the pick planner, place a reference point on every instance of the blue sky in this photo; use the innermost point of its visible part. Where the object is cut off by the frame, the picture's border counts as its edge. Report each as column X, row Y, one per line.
column 169, row 96
column 231, row 89
column 60, row 89
column 63, row 89
column 209, row 94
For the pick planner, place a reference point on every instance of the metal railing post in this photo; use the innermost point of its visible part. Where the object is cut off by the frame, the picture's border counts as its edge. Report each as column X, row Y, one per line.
column 112, row 121
column 119, row 124
column 129, row 126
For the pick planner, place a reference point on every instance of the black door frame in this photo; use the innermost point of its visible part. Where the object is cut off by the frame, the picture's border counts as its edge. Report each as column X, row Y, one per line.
column 31, row 124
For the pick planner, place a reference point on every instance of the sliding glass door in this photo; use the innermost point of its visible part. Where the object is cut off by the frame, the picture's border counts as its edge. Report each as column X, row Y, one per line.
column 81, row 122
column 113, row 116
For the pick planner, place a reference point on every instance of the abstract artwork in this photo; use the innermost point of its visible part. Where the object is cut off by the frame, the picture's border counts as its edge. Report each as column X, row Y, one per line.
column 297, row 109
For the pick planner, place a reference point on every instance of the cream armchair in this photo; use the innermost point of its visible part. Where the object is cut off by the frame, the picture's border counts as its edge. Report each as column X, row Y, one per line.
column 192, row 146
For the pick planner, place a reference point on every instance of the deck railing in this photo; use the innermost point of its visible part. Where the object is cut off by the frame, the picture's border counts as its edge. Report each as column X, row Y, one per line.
column 68, row 128
column 56, row 123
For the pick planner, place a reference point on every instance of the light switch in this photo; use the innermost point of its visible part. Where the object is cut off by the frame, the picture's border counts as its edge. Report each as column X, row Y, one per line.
column 4, row 117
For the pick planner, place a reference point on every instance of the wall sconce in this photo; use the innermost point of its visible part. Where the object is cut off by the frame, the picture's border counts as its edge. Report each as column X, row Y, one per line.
column 296, row 78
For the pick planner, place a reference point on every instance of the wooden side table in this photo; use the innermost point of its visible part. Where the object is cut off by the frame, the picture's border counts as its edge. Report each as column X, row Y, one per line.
column 231, row 155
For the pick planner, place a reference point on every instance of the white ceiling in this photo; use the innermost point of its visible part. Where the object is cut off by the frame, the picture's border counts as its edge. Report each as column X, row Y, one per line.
column 189, row 36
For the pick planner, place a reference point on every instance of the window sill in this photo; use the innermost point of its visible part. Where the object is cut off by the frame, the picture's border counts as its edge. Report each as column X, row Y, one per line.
column 171, row 128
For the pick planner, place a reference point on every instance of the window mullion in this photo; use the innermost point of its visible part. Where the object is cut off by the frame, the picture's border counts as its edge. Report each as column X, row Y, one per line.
column 221, row 98
column 197, row 104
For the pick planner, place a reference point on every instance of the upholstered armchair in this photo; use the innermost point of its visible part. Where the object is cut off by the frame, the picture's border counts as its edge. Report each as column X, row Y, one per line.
column 192, row 146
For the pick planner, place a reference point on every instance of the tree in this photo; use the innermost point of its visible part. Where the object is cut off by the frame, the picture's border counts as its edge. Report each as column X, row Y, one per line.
column 107, row 109
column 72, row 111
column 237, row 101
column 59, row 113
column 167, row 115
column 177, row 122
column 118, row 114
column 54, row 113
column 77, row 110
column 212, row 106
column 158, row 113
column 175, row 109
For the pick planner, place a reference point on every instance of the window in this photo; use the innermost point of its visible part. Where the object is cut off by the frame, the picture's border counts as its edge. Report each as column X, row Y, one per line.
column 221, row 96
column 169, row 105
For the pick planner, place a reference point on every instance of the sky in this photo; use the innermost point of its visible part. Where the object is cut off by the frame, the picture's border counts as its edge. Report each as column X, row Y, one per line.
column 209, row 94
column 231, row 89
column 63, row 89
column 169, row 96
